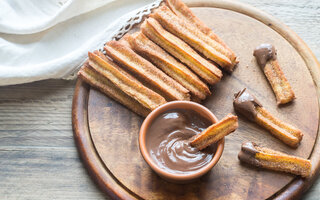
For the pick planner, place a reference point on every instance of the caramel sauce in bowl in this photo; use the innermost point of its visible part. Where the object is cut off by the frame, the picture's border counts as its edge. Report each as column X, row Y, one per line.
column 164, row 141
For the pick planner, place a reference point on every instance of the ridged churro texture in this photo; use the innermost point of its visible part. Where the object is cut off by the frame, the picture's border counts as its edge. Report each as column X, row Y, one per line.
column 121, row 52
column 96, row 80
column 279, row 83
column 182, row 51
column 215, row 132
column 194, row 37
column 266, row 56
column 125, row 82
column 248, row 106
column 287, row 133
column 182, row 11
column 267, row 158
column 160, row 58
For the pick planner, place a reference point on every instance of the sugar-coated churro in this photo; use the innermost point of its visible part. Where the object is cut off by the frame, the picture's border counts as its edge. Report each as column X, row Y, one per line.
column 182, row 11
column 182, row 51
column 121, row 53
column 215, row 132
column 266, row 56
column 144, row 46
column 125, row 82
column 267, row 158
column 194, row 37
column 98, row 81
column 247, row 105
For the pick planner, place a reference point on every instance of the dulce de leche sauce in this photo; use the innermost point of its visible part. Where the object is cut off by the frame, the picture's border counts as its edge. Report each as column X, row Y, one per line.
column 167, row 141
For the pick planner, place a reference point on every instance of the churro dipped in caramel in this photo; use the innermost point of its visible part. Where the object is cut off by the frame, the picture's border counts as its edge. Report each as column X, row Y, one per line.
column 96, row 80
column 181, row 10
column 124, row 81
column 145, row 47
column 194, row 37
column 267, row 158
column 182, row 51
column 121, row 52
column 215, row 132
column 266, row 56
column 247, row 105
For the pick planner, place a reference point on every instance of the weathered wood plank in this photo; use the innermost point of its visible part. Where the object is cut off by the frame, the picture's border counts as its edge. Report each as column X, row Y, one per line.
column 38, row 157
column 44, row 173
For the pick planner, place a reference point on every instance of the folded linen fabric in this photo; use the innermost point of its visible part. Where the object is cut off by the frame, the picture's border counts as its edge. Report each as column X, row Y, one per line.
column 50, row 39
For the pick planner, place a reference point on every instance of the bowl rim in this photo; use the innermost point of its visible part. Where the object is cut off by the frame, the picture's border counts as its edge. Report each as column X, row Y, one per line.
column 176, row 105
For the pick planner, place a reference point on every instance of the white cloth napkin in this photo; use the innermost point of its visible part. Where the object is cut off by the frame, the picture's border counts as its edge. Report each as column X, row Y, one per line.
column 50, row 39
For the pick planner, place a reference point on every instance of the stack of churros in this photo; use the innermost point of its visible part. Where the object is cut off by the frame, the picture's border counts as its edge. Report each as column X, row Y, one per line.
column 192, row 35
column 166, row 60
column 97, row 80
column 181, row 10
column 169, row 65
column 182, row 51
column 121, row 52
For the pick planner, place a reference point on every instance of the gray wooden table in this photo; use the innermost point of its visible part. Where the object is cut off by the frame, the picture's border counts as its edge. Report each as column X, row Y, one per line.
column 38, row 157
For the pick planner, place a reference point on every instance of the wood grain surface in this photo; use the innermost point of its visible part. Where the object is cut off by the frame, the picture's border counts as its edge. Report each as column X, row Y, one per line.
column 38, row 159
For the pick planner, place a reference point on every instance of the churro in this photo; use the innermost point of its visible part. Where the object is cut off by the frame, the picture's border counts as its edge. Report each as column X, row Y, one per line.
column 96, row 80
column 182, row 11
column 266, row 56
column 121, row 53
column 125, row 82
column 247, row 105
column 142, row 45
column 267, row 158
column 194, row 37
column 215, row 132
column 183, row 52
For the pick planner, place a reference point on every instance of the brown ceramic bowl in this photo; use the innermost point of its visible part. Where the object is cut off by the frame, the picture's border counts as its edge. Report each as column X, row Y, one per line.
column 178, row 178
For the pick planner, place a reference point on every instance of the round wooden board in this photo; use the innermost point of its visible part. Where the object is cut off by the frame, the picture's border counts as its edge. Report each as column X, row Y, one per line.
column 107, row 133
